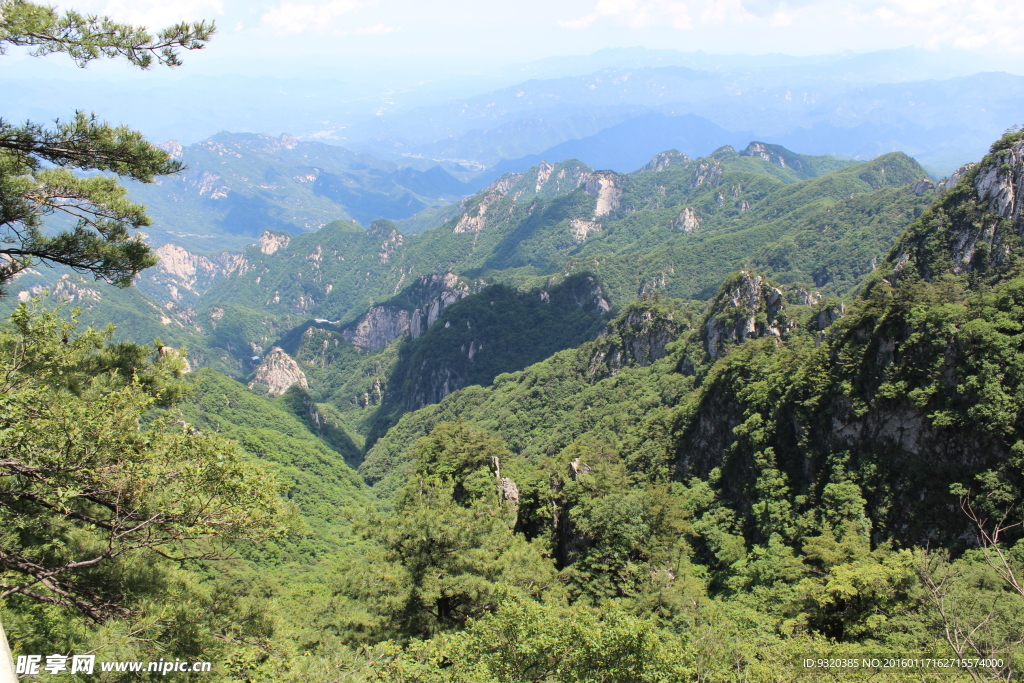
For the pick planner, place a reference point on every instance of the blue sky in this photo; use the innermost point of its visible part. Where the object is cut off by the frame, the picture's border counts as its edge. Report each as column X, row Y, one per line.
column 254, row 36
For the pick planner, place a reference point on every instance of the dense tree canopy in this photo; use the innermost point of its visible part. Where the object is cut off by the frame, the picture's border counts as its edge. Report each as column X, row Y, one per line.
column 82, row 485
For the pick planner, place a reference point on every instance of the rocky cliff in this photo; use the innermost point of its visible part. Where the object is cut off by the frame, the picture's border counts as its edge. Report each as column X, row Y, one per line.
column 747, row 307
column 277, row 373
column 428, row 297
column 487, row 333
column 637, row 338
column 976, row 225
column 906, row 393
column 180, row 277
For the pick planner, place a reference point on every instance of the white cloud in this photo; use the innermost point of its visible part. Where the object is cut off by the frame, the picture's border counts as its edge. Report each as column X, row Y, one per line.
column 654, row 13
column 296, row 17
column 967, row 24
column 376, row 29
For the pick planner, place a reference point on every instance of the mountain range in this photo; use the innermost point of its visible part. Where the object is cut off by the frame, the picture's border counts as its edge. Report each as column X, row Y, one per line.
column 702, row 414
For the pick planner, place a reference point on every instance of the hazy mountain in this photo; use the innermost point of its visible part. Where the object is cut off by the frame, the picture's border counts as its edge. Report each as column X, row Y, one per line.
column 236, row 186
column 481, row 115
column 629, row 145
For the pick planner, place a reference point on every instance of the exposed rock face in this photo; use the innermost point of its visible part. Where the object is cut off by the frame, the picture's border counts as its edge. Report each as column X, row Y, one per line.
column 1001, row 187
column 543, row 173
column 607, row 185
column 581, row 228
column 638, row 339
column 592, row 296
column 271, row 242
column 747, row 307
column 436, row 379
column 566, row 178
column 181, row 277
column 707, row 173
column 544, row 180
column 172, row 147
column 664, row 160
column 503, row 184
column 508, row 492
column 381, row 325
column 829, row 315
column 805, row 297
column 475, row 219
column 71, row 288
column 772, row 154
column 209, row 185
column 378, row 327
column 393, row 241
column 687, row 220
column 277, row 373
column 922, row 186
column 977, row 225
column 954, row 177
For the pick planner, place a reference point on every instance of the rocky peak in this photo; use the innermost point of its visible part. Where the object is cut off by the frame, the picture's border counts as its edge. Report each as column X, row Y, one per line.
column 922, row 186
column 1000, row 185
column 543, row 173
column 172, row 147
column 271, row 241
column 277, row 373
column 975, row 224
column 747, row 306
column 773, row 154
column 607, row 185
column 503, row 184
column 954, row 177
column 638, row 337
column 664, row 160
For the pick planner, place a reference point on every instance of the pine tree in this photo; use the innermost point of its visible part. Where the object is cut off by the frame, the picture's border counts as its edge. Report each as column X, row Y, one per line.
column 38, row 163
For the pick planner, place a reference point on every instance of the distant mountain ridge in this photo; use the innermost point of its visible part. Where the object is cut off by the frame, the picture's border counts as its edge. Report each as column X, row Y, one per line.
column 236, row 186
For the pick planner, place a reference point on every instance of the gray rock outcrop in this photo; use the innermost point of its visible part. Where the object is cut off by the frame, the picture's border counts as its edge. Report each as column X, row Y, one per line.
column 747, row 307
column 430, row 294
column 664, row 160
column 277, row 373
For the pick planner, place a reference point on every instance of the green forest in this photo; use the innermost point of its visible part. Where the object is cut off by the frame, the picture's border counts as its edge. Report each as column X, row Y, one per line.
column 756, row 416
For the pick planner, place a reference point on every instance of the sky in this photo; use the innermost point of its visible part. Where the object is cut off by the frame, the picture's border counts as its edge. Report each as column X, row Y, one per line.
column 271, row 35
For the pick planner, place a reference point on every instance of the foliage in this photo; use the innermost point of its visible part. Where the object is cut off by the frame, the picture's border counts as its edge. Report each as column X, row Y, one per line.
column 37, row 163
column 84, row 486
column 448, row 552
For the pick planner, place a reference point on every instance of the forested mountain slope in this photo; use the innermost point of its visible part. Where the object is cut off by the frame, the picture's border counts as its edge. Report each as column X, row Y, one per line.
column 677, row 226
column 680, row 228
column 801, row 467
column 714, row 416
column 905, row 390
